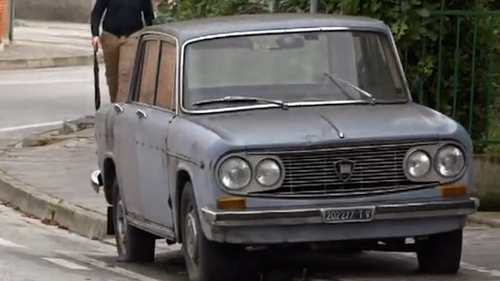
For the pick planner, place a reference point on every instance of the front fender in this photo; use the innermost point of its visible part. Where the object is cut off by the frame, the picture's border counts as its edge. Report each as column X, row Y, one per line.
column 194, row 149
column 194, row 173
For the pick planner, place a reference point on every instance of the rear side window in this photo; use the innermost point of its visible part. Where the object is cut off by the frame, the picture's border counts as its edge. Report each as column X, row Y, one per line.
column 165, row 94
column 149, row 67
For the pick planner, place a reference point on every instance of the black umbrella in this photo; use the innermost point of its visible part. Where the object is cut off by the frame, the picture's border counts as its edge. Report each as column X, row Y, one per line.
column 97, row 90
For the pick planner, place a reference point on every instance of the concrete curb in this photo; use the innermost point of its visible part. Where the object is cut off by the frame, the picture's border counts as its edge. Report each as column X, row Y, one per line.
column 28, row 199
column 82, row 221
column 16, row 64
column 485, row 221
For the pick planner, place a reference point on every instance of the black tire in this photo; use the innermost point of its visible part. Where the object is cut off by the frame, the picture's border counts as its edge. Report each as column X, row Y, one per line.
column 213, row 261
column 140, row 245
column 441, row 253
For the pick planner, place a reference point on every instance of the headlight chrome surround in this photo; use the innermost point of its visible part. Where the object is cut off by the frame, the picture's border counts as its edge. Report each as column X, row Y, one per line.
column 449, row 150
column 425, row 163
column 433, row 150
column 232, row 163
column 274, row 168
column 245, row 186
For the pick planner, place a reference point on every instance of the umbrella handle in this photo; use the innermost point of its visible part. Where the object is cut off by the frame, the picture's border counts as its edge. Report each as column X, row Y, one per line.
column 96, row 61
column 97, row 90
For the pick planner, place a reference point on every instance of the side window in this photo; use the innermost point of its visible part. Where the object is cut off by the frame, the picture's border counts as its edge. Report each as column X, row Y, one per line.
column 147, row 82
column 165, row 94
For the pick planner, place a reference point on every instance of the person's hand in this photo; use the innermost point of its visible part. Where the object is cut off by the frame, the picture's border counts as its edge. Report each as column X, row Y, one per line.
column 95, row 42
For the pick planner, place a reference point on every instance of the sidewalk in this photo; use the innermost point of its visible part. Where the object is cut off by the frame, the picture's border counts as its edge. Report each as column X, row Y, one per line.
column 33, row 178
column 47, row 44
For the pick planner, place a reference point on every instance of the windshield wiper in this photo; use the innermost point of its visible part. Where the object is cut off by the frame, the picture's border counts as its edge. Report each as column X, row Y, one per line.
column 229, row 99
column 335, row 80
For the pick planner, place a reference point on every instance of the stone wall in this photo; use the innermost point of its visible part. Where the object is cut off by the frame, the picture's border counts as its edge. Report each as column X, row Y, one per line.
column 487, row 181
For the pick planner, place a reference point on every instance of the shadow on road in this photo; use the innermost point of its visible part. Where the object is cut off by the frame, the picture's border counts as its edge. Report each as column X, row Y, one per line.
column 311, row 266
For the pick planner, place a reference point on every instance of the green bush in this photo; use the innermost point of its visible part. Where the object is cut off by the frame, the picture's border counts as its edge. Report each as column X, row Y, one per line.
column 427, row 50
column 192, row 9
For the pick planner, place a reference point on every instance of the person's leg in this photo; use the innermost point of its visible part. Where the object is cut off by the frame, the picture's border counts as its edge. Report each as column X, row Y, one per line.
column 111, row 50
column 127, row 57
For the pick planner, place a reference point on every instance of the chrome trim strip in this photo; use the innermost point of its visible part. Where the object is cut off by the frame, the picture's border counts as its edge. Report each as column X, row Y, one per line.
column 339, row 132
column 306, row 195
column 295, row 216
column 347, row 146
column 263, row 106
column 156, row 229
column 180, row 74
column 400, row 65
column 185, row 158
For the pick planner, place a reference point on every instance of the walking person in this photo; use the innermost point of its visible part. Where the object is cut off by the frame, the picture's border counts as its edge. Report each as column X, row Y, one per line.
column 122, row 18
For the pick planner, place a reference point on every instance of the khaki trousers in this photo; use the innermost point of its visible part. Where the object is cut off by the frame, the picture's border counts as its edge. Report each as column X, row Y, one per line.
column 119, row 55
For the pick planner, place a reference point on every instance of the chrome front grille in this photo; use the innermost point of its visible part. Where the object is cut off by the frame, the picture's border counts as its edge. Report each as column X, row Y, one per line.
column 375, row 168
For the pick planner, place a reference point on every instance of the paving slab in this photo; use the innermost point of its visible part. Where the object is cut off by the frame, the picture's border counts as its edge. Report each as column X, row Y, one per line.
column 61, row 169
column 41, row 45
column 34, row 179
column 75, row 35
column 32, row 55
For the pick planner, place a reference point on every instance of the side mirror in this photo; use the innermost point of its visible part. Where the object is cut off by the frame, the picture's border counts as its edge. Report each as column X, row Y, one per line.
column 415, row 87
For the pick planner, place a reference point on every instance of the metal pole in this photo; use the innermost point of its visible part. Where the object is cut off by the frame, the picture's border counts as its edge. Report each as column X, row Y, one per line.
column 314, row 6
column 12, row 4
column 272, row 5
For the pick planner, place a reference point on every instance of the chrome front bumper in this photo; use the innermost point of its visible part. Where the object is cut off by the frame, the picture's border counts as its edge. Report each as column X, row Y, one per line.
column 314, row 215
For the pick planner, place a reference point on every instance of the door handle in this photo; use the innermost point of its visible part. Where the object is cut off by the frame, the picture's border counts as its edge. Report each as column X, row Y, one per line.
column 118, row 108
column 141, row 114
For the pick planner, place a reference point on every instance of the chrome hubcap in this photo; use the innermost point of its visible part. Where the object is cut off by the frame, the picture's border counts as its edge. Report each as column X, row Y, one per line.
column 191, row 238
column 121, row 223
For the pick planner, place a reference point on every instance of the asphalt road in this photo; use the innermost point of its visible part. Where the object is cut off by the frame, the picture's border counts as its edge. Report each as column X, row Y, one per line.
column 32, row 251
column 36, row 100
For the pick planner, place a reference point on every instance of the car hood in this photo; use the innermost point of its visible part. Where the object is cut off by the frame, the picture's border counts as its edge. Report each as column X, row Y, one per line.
column 307, row 125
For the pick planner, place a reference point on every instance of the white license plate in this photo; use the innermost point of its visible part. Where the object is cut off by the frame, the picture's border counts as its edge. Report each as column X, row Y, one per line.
column 345, row 215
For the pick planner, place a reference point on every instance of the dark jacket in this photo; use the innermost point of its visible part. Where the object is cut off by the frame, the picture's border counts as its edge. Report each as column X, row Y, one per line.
column 122, row 18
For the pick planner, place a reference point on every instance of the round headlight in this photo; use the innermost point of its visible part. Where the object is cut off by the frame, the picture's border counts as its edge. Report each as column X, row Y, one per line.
column 268, row 172
column 449, row 161
column 235, row 173
column 418, row 163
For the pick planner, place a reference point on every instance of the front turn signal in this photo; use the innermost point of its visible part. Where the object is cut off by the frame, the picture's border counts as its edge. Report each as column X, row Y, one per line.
column 231, row 203
column 453, row 190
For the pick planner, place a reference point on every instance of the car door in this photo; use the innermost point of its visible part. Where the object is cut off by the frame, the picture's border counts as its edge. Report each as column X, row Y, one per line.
column 125, row 126
column 152, row 157
column 128, row 126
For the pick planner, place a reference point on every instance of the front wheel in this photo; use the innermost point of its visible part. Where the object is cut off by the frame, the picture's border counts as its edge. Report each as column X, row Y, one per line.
column 441, row 253
column 205, row 260
column 133, row 244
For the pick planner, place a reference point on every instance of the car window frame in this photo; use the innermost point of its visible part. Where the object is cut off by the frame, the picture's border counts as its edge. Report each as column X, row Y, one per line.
column 385, row 31
column 168, row 40
column 138, row 68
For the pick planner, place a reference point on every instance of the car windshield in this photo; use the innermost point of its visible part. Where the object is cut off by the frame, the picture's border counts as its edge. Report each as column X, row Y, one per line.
column 291, row 67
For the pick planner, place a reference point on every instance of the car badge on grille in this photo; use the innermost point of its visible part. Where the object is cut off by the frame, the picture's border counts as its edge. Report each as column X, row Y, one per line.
column 344, row 169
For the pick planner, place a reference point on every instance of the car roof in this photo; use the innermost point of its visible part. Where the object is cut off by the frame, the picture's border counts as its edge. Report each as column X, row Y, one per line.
column 186, row 30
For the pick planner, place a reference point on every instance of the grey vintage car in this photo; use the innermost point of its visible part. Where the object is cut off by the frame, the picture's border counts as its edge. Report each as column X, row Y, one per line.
column 274, row 130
